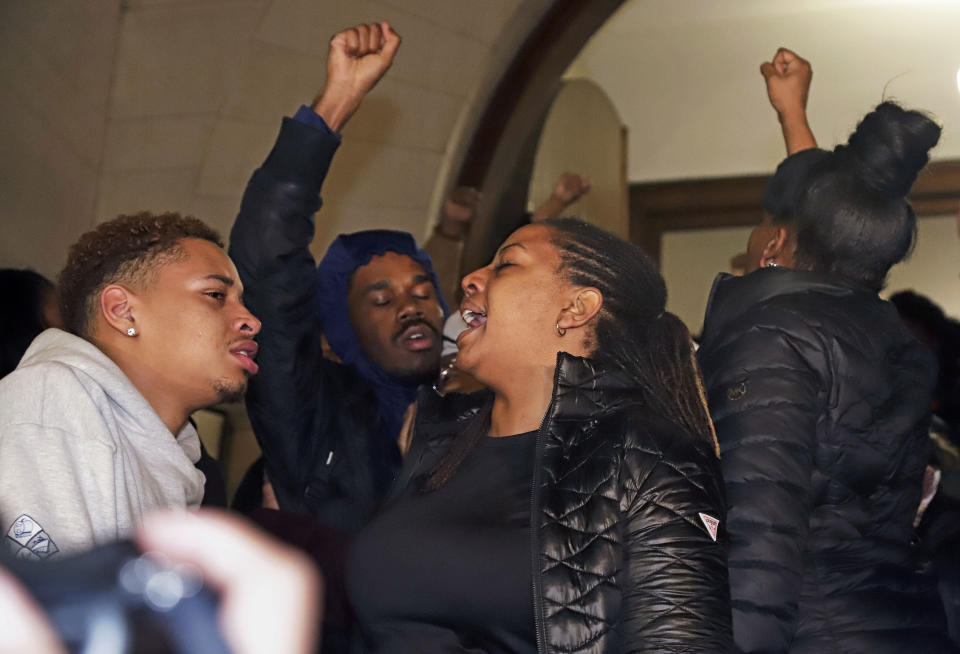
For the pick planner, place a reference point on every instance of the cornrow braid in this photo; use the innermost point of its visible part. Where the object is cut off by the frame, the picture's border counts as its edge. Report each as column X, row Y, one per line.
column 634, row 333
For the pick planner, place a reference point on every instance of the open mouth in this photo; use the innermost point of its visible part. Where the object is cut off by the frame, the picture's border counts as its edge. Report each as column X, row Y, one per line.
column 417, row 337
column 245, row 352
column 475, row 319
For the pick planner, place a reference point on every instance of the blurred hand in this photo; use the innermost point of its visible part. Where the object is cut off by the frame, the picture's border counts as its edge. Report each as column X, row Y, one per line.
column 270, row 594
column 461, row 205
column 24, row 626
column 788, row 82
column 358, row 58
column 571, row 187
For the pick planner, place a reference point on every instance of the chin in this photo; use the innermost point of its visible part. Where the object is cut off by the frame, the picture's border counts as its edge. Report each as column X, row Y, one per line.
column 229, row 391
column 421, row 372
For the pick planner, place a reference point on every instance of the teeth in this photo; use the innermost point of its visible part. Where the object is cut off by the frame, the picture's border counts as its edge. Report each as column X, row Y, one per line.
column 469, row 315
column 416, row 337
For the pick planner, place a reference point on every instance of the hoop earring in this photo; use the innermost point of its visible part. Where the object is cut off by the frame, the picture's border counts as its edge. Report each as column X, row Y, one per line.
column 131, row 332
column 561, row 331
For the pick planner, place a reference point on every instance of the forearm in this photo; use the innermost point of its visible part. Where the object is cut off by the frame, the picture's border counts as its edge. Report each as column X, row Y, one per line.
column 445, row 253
column 797, row 134
column 549, row 208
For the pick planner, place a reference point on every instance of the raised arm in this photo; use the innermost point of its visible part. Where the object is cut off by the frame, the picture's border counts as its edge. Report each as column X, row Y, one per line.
column 569, row 188
column 289, row 400
column 788, row 78
column 445, row 246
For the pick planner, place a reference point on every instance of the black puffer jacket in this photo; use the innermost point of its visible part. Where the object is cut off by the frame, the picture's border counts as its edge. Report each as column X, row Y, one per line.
column 623, row 561
column 328, row 450
column 821, row 398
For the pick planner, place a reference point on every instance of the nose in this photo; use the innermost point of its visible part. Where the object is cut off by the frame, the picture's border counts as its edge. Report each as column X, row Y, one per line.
column 247, row 323
column 475, row 282
column 410, row 307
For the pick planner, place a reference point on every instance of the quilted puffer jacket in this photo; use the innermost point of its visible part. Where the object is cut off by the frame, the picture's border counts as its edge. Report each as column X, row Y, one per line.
column 820, row 397
column 620, row 539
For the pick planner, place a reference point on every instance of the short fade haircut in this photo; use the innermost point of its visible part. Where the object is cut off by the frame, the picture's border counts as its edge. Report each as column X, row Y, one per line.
column 127, row 250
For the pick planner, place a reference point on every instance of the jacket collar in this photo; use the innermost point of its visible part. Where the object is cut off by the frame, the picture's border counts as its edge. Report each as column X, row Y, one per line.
column 731, row 296
column 584, row 388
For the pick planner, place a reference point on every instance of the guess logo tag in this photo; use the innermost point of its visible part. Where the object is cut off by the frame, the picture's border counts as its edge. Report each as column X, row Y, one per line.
column 711, row 523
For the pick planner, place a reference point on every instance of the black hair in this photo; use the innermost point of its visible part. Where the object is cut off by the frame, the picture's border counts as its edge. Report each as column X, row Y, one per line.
column 853, row 218
column 22, row 296
column 634, row 334
column 128, row 249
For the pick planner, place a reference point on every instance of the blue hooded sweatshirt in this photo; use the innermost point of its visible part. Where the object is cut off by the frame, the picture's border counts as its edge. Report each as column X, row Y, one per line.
column 347, row 253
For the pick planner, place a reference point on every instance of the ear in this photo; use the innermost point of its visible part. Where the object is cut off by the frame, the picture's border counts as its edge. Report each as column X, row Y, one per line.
column 116, row 308
column 584, row 305
column 776, row 247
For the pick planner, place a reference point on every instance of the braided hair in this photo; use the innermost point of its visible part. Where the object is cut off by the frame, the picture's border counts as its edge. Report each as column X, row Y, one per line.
column 633, row 335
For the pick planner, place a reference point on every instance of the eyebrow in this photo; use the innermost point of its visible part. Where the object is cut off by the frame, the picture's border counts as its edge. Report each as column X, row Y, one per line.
column 226, row 281
column 384, row 284
column 508, row 246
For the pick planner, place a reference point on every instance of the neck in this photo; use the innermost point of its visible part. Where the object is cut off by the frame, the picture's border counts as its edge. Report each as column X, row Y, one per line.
column 172, row 412
column 520, row 409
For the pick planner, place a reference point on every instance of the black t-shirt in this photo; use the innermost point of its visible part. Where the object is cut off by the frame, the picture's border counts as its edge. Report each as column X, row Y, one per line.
column 450, row 571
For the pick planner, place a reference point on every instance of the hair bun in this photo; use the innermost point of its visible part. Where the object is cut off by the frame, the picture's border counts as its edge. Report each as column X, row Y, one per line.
column 891, row 146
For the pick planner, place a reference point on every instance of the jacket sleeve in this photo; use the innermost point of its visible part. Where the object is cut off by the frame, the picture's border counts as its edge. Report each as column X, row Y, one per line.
column 763, row 394
column 289, row 398
column 57, row 492
column 678, row 598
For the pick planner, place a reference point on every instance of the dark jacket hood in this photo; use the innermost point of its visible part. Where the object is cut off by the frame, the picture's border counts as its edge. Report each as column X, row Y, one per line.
column 347, row 253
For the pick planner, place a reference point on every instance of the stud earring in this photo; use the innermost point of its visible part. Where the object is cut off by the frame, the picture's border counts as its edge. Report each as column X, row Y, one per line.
column 561, row 330
column 131, row 332
column 771, row 264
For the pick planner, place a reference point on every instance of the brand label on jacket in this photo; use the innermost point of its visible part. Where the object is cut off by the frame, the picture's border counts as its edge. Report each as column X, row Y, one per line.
column 29, row 540
column 711, row 523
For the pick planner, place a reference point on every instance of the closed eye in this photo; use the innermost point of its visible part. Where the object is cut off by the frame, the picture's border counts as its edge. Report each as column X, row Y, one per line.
column 500, row 266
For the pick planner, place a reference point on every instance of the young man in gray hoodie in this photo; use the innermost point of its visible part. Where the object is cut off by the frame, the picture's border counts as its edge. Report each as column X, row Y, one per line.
column 94, row 422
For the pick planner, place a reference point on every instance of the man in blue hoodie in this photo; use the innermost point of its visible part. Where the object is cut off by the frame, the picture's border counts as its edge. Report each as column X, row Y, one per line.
column 328, row 428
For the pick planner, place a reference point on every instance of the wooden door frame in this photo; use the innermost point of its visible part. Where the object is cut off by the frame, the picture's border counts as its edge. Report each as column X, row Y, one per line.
column 659, row 207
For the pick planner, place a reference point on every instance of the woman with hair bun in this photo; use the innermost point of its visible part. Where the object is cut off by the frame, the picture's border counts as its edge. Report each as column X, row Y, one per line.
column 821, row 400
column 575, row 508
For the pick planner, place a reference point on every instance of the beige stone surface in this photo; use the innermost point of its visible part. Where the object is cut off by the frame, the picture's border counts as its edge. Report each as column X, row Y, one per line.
column 157, row 142
column 180, row 59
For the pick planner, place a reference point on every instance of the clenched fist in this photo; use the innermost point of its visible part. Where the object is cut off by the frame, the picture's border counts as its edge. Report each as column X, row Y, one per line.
column 788, row 78
column 358, row 58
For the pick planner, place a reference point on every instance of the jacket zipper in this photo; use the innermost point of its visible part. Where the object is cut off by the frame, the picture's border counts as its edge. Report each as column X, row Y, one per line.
column 538, row 626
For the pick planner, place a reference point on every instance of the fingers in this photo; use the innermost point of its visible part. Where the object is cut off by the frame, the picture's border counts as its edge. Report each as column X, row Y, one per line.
column 391, row 41
column 786, row 55
column 270, row 594
column 767, row 70
column 365, row 39
column 25, row 627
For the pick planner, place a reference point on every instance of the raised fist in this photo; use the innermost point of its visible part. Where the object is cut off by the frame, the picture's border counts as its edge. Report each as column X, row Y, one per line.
column 358, row 58
column 571, row 187
column 461, row 204
column 788, row 82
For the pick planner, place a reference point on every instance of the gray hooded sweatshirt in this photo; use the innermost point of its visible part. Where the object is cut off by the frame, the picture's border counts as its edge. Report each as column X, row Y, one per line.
column 83, row 455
